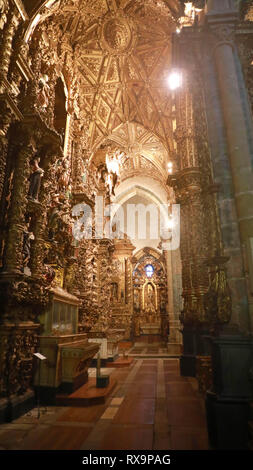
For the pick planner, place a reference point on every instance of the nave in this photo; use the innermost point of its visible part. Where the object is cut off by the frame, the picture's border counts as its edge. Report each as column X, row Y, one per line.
column 133, row 417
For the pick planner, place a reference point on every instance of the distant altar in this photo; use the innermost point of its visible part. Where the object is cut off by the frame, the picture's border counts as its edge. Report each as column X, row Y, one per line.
column 151, row 329
column 149, row 295
column 150, row 319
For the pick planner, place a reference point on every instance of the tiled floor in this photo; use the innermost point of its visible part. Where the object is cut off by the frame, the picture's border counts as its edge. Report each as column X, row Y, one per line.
column 151, row 408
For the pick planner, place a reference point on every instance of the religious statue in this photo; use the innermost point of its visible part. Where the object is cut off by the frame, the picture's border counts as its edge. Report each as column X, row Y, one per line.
column 35, row 179
column 27, row 237
column 101, row 174
column 150, row 299
column 114, row 292
column 54, row 217
column 112, row 181
column 48, row 274
column 150, row 304
column 63, row 175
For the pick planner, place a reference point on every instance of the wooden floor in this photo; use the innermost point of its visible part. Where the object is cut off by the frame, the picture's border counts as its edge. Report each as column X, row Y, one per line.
column 151, row 408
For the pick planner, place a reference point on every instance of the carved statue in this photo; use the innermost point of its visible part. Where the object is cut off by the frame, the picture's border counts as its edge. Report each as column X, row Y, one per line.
column 54, row 217
column 102, row 173
column 35, row 180
column 150, row 299
column 112, row 182
column 48, row 274
column 63, row 177
column 27, row 237
column 114, row 292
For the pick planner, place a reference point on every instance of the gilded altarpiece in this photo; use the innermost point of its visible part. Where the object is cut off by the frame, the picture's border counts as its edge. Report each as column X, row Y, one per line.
column 150, row 296
column 121, row 293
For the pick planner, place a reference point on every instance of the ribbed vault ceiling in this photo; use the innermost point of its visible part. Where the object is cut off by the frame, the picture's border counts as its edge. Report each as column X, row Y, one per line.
column 122, row 57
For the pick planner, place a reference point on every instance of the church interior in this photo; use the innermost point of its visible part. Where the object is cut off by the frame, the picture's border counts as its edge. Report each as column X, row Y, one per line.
column 126, row 224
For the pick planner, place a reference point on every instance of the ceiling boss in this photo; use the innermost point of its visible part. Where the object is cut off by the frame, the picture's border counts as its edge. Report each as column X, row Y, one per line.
column 117, row 33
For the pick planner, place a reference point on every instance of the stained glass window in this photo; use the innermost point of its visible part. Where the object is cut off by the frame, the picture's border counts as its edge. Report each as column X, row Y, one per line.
column 149, row 269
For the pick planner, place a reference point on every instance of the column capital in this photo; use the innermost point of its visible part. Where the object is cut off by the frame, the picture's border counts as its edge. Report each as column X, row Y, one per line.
column 223, row 33
column 189, row 181
column 222, row 17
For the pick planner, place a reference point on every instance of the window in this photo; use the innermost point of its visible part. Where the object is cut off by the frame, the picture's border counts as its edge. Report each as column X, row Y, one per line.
column 149, row 269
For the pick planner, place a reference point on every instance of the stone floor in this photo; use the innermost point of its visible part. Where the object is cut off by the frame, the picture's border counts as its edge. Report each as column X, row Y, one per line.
column 152, row 346
column 151, row 408
column 148, row 350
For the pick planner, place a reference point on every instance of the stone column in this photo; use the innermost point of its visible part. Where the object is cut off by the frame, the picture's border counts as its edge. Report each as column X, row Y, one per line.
column 227, row 405
column 238, row 130
column 196, row 192
column 184, row 132
column 173, row 325
column 194, row 245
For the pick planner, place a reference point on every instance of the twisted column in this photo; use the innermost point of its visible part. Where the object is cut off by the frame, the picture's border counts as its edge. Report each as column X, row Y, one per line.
column 194, row 245
column 14, row 242
column 6, row 44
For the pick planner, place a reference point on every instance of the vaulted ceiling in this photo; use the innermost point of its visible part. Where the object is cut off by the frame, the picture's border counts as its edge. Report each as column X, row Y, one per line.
column 122, row 50
column 121, row 53
column 144, row 151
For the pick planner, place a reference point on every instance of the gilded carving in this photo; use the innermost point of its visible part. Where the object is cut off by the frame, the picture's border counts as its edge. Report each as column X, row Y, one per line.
column 18, row 343
column 218, row 304
column 116, row 34
column 204, row 373
column 4, row 7
column 113, row 65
